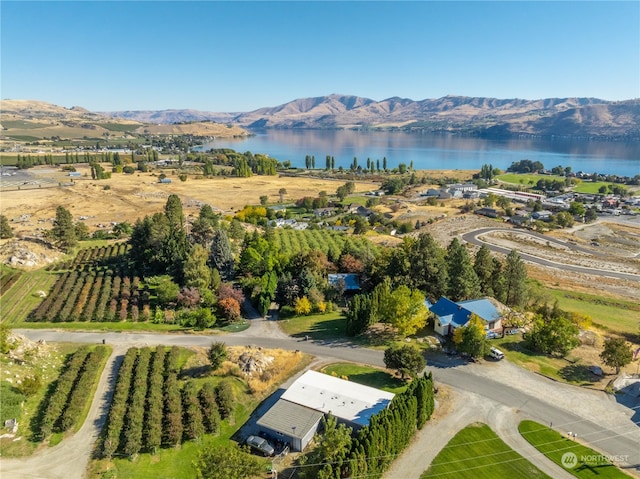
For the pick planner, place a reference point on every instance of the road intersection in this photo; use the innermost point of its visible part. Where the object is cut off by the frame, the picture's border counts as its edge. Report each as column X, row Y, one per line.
column 597, row 419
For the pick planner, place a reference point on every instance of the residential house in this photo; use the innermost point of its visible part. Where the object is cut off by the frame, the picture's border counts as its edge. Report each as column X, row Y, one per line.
column 490, row 212
column 450, row 315
column 542, row 215
column 320, row 212
column 350, row 281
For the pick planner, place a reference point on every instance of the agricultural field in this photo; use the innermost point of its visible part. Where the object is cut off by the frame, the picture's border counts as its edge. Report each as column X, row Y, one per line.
column 96, row 285
column 22, row 292
column 168, row 404
column 48, row 389
column 476, row 452
column 332, row 243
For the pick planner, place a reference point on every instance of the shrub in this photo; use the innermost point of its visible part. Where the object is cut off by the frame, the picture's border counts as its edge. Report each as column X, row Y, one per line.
column 287, row 312
column 225, row 399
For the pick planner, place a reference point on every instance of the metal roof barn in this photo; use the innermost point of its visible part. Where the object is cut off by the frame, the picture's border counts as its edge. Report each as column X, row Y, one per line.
column 348, row 401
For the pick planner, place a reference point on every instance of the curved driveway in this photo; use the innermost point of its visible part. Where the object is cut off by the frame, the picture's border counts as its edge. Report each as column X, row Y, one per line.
column 617, row 433
column 473, row 237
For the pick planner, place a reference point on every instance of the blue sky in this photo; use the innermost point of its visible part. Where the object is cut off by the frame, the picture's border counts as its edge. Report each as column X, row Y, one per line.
column 239, row 56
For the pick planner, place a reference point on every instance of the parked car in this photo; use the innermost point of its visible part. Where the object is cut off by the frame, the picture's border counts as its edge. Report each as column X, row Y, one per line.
column 261, row 445
column 492, row 335
column 495, row 353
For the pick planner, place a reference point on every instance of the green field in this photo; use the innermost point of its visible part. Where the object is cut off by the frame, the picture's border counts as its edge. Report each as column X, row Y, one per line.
column 553, row 445
column 592, row 187
column 316, row 326
column 376, row 378
column 476, row 452
column 526, row 179
column 612, row 314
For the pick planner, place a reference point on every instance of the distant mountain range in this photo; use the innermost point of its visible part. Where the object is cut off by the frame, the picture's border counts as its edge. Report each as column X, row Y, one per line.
column 490, row 117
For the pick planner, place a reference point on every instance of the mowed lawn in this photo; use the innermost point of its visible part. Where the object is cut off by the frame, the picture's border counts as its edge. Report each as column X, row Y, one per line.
column 526, row 179
column 476, row 452
column 316, row 326
column 376, row 378
column 588, row 463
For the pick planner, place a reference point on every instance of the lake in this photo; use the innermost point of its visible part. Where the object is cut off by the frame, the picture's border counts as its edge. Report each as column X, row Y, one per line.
column 430, row 151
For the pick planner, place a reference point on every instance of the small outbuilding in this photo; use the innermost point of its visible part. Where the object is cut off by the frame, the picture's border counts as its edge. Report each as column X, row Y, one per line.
column 291, row 423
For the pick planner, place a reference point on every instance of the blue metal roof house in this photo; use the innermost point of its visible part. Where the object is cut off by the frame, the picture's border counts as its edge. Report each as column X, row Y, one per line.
column 450, row 315
column 351, row 281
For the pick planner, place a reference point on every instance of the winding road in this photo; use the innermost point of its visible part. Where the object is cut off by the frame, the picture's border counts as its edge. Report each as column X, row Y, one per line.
column 499, row 389
column 474, row 237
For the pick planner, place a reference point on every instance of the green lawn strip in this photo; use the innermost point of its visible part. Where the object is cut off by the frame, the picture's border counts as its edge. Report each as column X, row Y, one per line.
column 119, row 326
column 561, row 369
column 316, row 326
column 367, row 375
column 476, row 452
column 552, row 444
column 614, row 314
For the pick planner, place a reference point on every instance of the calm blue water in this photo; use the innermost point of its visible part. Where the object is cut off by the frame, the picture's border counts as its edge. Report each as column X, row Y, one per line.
column 436, row 152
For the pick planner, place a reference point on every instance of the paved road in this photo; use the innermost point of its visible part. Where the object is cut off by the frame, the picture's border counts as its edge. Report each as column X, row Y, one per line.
column 615, row 435
column 474, row 237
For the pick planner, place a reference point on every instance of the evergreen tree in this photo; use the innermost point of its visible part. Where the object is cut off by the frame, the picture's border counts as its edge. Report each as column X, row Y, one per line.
column 497, row 280
column 64, row 231
column 359, row 315
column 221, row 254
column 463, row 280
column 5, row 228
column 515, row 276
column 483, row 266
column 406, row 359
column 173, row 212
column 196, row 271
column 428, row 267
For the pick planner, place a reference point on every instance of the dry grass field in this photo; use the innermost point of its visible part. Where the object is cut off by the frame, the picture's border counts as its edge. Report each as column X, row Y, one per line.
column 130, row 197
